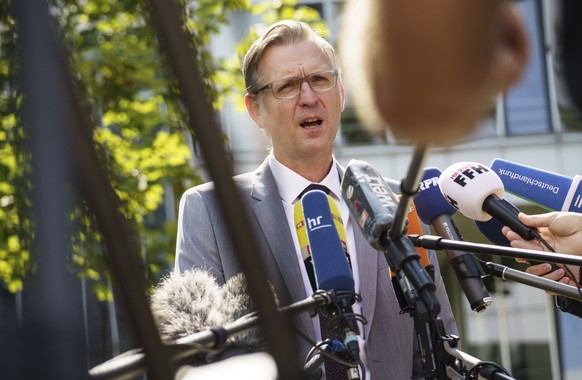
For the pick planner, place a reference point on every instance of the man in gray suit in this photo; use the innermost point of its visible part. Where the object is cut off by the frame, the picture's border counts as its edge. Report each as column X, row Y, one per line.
column 296, row 95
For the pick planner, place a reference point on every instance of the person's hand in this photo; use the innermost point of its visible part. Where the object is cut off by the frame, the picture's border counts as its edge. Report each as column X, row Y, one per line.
column 562, row 230
column 545, row 270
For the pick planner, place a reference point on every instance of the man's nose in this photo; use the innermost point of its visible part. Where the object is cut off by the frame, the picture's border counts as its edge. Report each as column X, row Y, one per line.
column 307, row 95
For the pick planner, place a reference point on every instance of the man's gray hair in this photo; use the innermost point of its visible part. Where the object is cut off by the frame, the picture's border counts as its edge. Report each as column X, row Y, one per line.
column 281, row 33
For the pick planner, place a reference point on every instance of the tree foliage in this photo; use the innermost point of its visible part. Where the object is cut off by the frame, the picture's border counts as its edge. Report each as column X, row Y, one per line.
column 138, row 120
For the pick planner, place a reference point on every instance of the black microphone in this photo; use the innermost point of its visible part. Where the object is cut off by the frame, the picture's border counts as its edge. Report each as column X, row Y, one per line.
column 372, row 205
column 433, row 209
column 477, row 192
column 332, row 271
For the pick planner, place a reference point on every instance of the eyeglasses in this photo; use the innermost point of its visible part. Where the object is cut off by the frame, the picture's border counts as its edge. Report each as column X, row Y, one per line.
column 291, row 87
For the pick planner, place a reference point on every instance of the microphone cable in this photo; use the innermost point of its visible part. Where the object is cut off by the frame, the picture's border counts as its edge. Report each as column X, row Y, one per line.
column 568, row 271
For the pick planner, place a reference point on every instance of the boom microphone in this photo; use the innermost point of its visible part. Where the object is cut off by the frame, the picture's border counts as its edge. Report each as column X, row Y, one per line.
column 332, row 271
column 477, row 192
column 372, row 204
column 433, row 209
column 184, row 304
column 549, row 190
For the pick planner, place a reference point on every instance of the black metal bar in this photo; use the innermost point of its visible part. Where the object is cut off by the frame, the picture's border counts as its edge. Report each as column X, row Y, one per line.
column 52, row 295
column 131, row 363
column 408, row 188
column 181, row 54
column 507, row 273
column 49, row 80
column 438, row 243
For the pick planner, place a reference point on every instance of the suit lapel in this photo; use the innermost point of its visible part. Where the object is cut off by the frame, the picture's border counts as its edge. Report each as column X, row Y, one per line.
column 271, row 217
column 368, row 267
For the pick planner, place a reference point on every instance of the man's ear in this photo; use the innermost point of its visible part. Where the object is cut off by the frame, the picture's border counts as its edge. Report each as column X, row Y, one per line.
column 253, row 108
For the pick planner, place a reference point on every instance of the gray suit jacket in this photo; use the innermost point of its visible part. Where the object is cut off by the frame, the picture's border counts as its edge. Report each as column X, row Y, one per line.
column 203, row 242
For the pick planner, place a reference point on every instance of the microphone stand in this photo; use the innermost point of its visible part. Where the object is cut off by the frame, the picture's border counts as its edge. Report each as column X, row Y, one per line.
column 132, row 363
column 504, row 272
column 438, row 243
column 408, row 189
column 458, row 364
column 414, row 283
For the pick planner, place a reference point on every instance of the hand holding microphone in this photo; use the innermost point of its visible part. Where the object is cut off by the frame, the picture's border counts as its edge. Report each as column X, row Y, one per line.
column 562, row 230
column 477, row 192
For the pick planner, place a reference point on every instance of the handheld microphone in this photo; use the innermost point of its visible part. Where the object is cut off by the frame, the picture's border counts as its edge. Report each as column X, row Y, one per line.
column 491, row 229
column 332, row 271
column 433, row 209
column 372, row 205
column 477, row 192
column 554, row 192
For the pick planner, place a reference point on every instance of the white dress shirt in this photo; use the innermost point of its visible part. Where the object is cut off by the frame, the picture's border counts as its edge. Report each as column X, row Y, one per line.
column 290, row 185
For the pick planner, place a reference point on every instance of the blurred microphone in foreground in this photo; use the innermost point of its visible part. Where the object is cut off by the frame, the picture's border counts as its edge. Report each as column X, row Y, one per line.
column 184, row 304
column 430, row 75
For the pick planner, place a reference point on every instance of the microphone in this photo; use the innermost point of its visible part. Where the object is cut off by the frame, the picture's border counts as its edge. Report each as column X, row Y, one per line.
column 433, row 209
column 491, row 229
column 332, row 271
column 415, row 228
column 301, row 233
column 372, row 205
column 549, row 190
column 477, row 192
column 184, row 304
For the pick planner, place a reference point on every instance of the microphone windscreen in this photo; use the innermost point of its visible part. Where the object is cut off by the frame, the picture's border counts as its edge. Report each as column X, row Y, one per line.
column 491, row 229
column 183, row 304
column 332, row 271
column 429, row 201
column 415, row 228
column 301, row 232
column 466, row 185
column 235, row 303
column 546, row 189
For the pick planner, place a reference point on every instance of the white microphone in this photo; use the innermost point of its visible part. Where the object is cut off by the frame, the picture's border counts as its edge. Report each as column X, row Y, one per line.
column 477, row 192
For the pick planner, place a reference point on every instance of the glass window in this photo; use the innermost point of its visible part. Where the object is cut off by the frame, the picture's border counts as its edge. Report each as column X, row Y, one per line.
column 527, row 107
column 565, row 36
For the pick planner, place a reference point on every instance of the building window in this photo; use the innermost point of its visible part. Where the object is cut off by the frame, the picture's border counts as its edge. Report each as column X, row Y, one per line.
column 527, row 105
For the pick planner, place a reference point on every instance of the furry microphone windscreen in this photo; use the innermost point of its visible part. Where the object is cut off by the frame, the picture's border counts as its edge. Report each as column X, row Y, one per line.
column 183, row 304
column 236, row 303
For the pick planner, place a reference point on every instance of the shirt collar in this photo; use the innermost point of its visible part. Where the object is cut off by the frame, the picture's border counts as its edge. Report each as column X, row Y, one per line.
column 290, row 184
